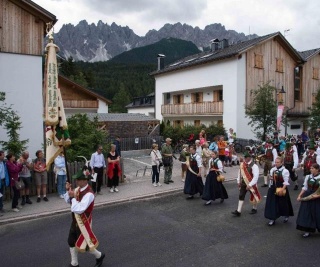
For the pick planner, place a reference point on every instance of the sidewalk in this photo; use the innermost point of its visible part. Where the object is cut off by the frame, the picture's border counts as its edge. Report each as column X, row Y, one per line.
column 136, row 186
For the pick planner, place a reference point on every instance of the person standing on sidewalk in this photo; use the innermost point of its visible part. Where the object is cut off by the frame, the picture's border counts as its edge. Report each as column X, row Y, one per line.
column 247, row 181
column 13, row 170
column 156, row 159
column 97, row 164
column 61, row 173
column 25, row 175
column 41, row 175
column 114, row 169
column 117, row 143
column 183, row 160
column 167, row 155
column 4, row 180
column 81, row 237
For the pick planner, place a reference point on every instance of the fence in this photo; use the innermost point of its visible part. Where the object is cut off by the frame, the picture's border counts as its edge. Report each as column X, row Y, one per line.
column 138, row 143
column 73, row 168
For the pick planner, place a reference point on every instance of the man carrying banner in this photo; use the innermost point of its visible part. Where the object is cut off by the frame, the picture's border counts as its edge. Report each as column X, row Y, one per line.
column 247, row 181
column 81, row 237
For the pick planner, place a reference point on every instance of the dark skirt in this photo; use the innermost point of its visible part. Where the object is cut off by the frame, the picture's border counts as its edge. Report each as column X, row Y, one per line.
column 213, row 189
column 114, row 181
column 308, row 219
column 193, row 184
column 277, row 206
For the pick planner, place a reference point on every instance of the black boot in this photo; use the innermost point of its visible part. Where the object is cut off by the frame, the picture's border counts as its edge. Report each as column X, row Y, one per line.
column 23, row 201
column 100, row 260
column 28, row 201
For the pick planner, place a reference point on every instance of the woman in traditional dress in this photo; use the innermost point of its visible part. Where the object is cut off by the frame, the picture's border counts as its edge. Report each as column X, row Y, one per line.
column 309, row 213
column 193, row 184
column 114, row 170
column 212, row 188
column 278, row 201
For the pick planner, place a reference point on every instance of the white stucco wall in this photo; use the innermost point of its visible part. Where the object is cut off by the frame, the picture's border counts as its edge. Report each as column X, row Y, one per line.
column 21, row 80
column 149, row 111
column 230, row 74
column 103, row 107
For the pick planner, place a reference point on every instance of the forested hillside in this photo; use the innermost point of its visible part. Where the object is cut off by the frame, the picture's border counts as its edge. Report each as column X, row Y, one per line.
column 127, row 75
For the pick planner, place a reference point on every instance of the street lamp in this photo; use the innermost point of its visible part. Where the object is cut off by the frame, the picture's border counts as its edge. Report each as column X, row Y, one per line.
column 280, row 107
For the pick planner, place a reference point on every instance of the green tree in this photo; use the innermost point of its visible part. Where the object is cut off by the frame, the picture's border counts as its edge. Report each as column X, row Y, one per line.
column 12, row 125
column 120, row 100
column 86, row 135
column 262, row 110
column 314, row 119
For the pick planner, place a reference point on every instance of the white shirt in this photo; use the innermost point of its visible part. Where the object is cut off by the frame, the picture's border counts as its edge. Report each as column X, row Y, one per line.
column 155, row 157
column 199, row 151
column 285, row 174
column 97, row 160
column 305, row 183
column 219, row 163
column 198, row 159
column 79, row 207
column 305, row 156
column 255, row 174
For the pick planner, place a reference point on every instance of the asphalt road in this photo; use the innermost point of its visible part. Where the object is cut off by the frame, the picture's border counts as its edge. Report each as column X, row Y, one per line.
column 167, row 231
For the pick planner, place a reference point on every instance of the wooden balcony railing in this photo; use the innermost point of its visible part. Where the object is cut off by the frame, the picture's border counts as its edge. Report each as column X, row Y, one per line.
column 204, row 108
column 80, row 103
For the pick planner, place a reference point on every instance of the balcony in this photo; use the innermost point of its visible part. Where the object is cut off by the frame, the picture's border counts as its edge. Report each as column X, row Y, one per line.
column 80, row 103
column 204, row 108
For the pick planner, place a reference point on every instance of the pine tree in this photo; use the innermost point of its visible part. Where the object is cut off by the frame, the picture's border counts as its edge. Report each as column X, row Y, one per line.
column 314, row 119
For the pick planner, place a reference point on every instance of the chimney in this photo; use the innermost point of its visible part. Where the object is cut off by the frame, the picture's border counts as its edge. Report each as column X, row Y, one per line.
column 224, row 43
column 161, row 61
column 214, row 44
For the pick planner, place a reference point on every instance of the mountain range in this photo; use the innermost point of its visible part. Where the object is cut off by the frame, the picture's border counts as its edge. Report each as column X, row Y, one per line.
column 102, row 42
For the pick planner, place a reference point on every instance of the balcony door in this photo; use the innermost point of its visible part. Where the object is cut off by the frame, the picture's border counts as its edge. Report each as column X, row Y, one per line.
column 197, row 97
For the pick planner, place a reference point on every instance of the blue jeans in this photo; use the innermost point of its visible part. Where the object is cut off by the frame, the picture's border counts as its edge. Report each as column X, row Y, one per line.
column 2, row 192
column 61, row 180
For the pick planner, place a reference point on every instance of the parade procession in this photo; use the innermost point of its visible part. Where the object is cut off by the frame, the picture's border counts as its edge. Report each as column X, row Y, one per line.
column 192, row 139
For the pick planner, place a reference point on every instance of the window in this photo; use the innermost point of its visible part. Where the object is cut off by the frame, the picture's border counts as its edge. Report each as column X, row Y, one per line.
column 279, row 65
column 315, row 74
column 178, row 99
column 218, row 95
column 297, row 83
column 197, row 123
column 258, row 61
column 197, row 97
column 178, row 123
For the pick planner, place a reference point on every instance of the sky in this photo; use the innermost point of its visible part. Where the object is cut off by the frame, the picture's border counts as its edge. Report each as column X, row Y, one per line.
column 300, row 17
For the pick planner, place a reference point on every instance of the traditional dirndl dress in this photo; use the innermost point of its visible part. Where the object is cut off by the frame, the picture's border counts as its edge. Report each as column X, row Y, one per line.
column 193, row 183
column 308, row 219
column 213, row 189
column 277, row 206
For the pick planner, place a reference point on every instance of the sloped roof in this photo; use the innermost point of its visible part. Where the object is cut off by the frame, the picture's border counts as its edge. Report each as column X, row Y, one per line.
column 120, row 117
column 228, row 52
column 306, row 55
column 144, row 105
column 80, row 87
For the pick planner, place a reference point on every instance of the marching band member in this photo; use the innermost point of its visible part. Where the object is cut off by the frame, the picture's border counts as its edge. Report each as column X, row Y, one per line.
column 291, row 162
column 270, row 155
column 247, row 181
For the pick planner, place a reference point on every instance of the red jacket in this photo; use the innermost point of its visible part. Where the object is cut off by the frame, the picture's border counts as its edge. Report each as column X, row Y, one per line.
column 13, row 169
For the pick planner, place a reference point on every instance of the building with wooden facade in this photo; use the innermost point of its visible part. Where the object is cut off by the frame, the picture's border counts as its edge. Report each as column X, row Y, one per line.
column 214, row 86
column 22, row 31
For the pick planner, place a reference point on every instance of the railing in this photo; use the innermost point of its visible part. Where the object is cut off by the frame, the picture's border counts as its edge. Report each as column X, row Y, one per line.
column 80, row 104
column 204, row 108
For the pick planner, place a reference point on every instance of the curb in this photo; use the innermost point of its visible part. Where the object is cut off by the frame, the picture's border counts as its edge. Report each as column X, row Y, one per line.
column 97, row 205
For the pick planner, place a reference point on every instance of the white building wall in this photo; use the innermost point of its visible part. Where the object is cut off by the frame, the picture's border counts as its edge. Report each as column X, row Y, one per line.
column 21, row 80
column 230, row 74
column 103, row 107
